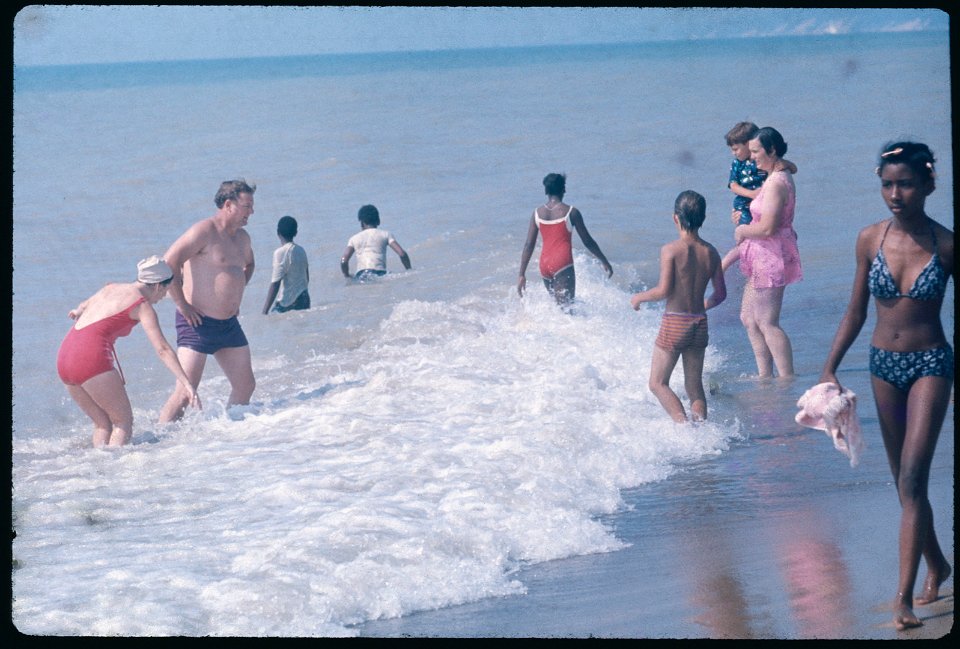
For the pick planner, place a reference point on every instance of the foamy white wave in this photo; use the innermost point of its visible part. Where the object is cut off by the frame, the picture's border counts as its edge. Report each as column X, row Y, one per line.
column 468, row 439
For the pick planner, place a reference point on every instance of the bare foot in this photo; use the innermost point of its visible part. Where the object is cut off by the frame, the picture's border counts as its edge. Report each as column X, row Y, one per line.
column 905, row 618
column 931, row 586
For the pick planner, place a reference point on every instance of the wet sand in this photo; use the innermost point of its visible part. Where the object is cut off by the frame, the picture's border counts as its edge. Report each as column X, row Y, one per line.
column 777, row 538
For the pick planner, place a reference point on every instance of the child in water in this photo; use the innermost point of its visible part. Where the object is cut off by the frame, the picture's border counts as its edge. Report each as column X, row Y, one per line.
column 556, row 221
column 291, row 272
column 686, row 266
column 370, row 244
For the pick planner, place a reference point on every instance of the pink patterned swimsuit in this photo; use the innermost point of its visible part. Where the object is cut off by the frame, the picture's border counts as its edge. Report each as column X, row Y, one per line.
column 773, row 261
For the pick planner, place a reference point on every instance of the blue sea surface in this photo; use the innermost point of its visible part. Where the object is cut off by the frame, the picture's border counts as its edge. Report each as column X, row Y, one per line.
column 213, row 71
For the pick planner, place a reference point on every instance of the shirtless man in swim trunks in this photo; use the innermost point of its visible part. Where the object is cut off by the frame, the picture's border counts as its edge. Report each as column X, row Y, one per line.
column 212, row 263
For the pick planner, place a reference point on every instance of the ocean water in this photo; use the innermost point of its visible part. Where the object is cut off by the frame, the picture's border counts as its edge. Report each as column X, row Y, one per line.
column 414, row 443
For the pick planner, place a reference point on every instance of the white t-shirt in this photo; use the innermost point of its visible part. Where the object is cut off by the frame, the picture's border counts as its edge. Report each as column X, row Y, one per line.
column 290, row 269
column 370, row 246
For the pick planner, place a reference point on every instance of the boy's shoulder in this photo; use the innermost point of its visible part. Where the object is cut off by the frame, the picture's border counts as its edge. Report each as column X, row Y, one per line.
column 703, row 242
column 675, row 248
column 682, row 245
column 672, row 246
column 713, row 256
column 712, row 248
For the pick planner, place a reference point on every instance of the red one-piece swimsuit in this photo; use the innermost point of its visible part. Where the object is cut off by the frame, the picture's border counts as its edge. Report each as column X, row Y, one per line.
column 557, row 252
column 88, row 351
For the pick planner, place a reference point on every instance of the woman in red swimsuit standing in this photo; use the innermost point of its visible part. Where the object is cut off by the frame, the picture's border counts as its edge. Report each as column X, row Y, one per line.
column 86, row 357
column 556, row 220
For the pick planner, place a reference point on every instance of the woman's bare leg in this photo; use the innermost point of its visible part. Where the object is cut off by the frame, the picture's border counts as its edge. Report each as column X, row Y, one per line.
column 102, row 426
column 767, row 305
column 748, row 316
column 910, row 424
column 110, row 395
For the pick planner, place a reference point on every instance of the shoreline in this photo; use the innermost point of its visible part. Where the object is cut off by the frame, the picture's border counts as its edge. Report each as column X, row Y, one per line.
column 777, row 538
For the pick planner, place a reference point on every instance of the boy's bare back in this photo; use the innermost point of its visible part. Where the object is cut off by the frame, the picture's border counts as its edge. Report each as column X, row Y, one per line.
column 693, row 263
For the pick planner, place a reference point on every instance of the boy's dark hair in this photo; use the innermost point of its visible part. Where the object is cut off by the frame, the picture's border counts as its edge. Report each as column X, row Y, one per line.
column 691, row 209
column 369, row 215
column 915, row 155
column 742, row 133
column 287, row 227
column 772, row 141
column 555, row 185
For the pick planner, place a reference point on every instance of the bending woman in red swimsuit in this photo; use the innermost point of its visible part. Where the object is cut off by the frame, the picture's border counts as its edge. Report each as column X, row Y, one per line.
column 85, row 360
column 555, row 220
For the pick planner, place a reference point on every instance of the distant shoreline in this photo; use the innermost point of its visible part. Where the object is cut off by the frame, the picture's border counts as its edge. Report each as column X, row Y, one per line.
column 94, row 76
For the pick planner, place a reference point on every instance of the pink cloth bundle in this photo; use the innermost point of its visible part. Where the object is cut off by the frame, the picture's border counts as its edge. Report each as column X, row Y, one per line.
column 826, row 408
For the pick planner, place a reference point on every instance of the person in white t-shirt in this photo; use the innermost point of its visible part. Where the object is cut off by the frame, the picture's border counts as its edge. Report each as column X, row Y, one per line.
column 291, row 274
column 370, row 245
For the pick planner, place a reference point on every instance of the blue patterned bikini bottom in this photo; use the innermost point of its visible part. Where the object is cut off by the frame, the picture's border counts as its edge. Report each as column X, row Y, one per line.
column 901, row 369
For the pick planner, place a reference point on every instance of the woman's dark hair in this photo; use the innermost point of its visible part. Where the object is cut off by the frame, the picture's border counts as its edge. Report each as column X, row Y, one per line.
column 555, row 185
column 166, row 282
column 915, row 155
column 691, row 209
column 772, row 141
column 287, row 227
column 369, row 215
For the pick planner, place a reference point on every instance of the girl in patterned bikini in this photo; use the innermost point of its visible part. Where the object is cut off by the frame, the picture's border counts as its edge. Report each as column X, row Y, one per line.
column 911, row 363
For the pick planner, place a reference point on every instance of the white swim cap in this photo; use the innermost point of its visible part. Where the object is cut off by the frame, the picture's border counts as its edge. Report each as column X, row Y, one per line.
column 153, row 270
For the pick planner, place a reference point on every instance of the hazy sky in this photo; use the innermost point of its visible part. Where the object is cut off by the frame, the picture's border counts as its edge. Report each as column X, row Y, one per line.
column 51, row 34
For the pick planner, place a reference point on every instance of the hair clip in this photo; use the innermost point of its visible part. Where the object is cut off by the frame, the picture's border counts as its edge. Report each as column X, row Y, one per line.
column 933, row 172
column 896, row 151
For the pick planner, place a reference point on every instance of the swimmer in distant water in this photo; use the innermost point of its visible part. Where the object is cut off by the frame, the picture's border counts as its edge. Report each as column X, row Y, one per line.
column 291, row 272
column 85, row 361
column 687, row 265
column 905, row 262
column 556, row 220
column 370, row 244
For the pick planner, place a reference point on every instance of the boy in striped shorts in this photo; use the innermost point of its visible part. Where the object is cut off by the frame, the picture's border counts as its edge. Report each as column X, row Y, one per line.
column 687, row 265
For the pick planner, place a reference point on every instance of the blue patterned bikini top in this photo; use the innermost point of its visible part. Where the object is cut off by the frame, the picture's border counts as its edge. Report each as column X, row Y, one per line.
column 930, row 284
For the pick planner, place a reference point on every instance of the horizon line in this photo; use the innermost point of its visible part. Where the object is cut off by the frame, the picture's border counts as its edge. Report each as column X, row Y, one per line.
column 663, row 41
